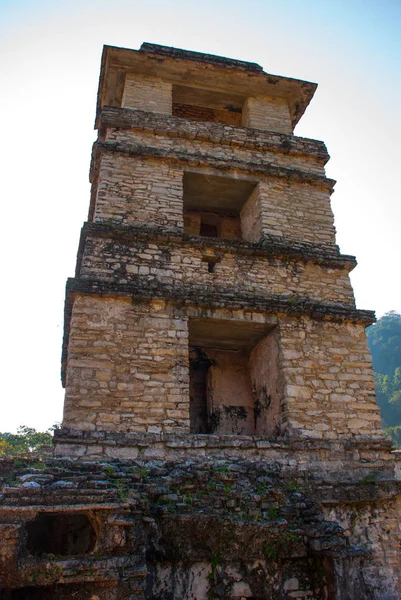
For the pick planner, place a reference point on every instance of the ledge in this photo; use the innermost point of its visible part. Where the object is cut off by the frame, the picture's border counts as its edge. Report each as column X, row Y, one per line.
column 189, row 440
column 358, row 460
column 220, row 134
column 200, row 296
column 213, row 59
column 273, row 246
column 223, row 164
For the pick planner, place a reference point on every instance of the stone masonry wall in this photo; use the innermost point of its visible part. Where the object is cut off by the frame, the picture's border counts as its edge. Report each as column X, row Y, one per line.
column 167, row 262
column 118, row 121
column 128, row 370
column 296, row 211
column 251, row 217
column 147, row 93
column 235, row 148
column 374, row 525
column 132, row 190
column 127, row 367
column 197, row 527
column 267, row 113
column 329, row 385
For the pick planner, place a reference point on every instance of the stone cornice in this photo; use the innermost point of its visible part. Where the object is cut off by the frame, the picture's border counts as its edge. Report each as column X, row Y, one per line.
column 217, row 133
column 287, row 250
column 197, row 159
column 200, row 296
column 183, row 440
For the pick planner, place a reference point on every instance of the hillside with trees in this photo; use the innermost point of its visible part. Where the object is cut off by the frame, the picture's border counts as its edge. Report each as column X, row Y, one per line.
column 384, row 339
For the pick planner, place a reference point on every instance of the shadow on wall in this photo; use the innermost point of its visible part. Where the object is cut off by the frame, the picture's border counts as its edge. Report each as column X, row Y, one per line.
column 235, row 384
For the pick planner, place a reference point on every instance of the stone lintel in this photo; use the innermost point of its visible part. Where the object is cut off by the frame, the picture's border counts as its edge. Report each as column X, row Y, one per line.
column 220, row 134
column 209, row 160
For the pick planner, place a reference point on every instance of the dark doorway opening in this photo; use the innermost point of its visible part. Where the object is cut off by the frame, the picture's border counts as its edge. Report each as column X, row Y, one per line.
column 213, row 205
column 234, row 379
column 60, row 534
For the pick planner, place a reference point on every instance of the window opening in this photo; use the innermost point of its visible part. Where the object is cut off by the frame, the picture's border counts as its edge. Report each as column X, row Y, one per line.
column 60, row 534
column 234, row 379
column 208, row 230
column 211, row 262
column 201, row 104
column 213, row 204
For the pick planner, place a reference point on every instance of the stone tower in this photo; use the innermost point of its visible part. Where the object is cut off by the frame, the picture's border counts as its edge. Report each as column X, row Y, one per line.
column 210, row 296
column 221, row 437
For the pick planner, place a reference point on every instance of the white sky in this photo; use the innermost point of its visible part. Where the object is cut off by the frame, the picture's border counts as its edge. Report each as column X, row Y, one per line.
column 49, row 65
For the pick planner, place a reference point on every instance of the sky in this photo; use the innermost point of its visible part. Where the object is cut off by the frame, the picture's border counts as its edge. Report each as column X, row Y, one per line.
column 49, row 66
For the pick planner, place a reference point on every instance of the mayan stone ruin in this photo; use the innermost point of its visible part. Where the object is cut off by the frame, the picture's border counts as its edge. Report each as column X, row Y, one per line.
column 221, row 438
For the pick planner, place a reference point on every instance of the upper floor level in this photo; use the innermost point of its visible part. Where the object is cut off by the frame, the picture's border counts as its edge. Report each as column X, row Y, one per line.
column 201, row 87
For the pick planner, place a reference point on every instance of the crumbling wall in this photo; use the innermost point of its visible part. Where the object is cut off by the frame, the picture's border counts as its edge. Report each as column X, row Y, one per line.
column 202, row 528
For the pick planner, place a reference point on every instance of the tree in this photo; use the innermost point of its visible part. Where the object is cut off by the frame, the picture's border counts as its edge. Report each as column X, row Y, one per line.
column 26, row 441
column 384, row 338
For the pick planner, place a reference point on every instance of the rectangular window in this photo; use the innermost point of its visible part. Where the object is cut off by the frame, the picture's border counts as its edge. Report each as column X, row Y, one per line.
column 213, row 204
column 200, row 104
column 234, row 382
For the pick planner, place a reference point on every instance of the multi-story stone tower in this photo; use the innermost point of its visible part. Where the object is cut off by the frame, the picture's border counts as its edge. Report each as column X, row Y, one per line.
column 214, row 360
column 210, row 296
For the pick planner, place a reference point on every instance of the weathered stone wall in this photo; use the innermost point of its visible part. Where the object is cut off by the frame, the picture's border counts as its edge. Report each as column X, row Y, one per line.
column 206, row 526
column 373, row 525
column 168, row 262
column 296, row 211
column 264, row 112
column 329, row 385
column 130, row 189
column 208, row 142
column 127, row 370
column 251, row 217
column 134, row 190
column 127, row 367
column 235, row 143
column 147, row 93
column 230, row 393
column 267, row 385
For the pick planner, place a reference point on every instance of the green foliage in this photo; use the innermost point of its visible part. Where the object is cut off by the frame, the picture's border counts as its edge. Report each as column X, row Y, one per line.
column 385, row 343
column 384, row 338
column 25, row 442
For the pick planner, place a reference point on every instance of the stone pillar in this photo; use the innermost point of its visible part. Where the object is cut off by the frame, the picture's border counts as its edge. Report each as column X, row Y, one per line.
column 265, row 112
column 251, row 223
column 147, row 93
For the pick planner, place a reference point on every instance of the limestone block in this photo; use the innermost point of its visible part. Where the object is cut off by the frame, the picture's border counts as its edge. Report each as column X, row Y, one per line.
column 147, row 93
column 265, row 112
